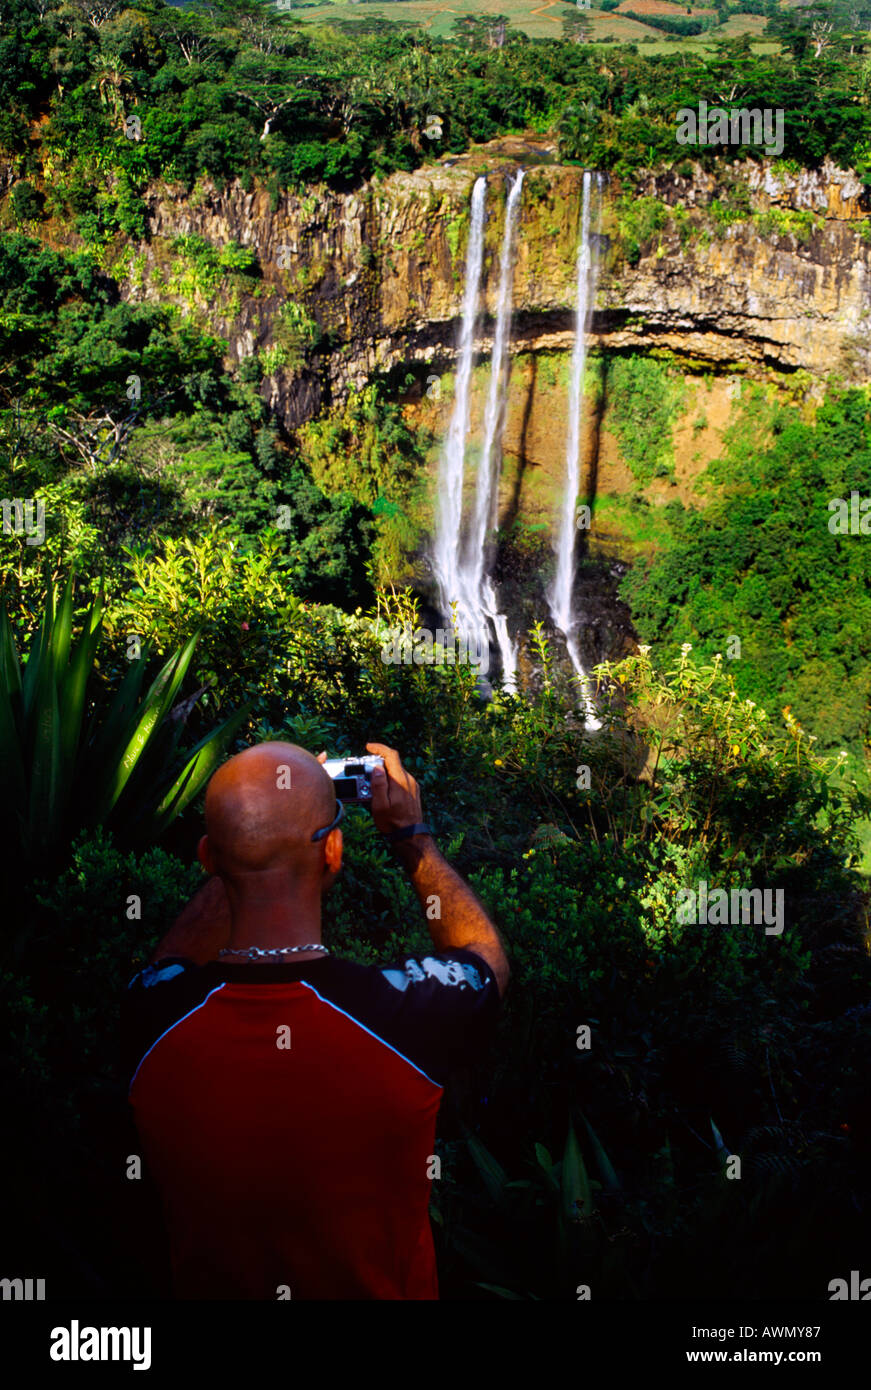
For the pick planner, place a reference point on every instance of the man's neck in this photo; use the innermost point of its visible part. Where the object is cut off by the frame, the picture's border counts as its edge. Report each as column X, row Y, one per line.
column 270, row 915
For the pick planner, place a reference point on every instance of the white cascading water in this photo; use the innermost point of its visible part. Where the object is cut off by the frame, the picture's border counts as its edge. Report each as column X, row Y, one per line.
column 478, row 596
column 446, row 550
column 560, row 594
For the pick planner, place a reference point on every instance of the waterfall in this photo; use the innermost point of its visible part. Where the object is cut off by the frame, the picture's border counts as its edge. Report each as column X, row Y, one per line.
column 477, row 588
column 560, row 594
column 460, row 564
column 450, row 496
column 460, row 559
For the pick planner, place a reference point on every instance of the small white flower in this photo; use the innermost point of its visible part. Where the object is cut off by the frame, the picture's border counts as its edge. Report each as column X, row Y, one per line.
column 644, row 650
column 687, row 647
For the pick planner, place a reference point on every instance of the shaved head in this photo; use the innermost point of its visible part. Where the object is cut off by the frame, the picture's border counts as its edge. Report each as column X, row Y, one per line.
column 262, row 808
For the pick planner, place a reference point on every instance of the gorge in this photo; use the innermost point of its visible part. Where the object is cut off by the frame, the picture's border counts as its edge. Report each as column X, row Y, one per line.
column 764, row 276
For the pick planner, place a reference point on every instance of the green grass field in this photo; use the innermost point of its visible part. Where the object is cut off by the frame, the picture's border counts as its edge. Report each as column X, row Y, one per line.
column 540, row 19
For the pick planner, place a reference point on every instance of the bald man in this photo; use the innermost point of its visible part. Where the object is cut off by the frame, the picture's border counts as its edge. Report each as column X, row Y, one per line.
column 286, row 1100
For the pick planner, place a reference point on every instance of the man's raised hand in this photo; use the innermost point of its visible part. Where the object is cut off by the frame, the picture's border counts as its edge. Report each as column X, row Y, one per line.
column 395, row 799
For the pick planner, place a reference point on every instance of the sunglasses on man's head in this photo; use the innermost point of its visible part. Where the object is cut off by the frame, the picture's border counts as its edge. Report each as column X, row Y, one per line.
column 321, row 834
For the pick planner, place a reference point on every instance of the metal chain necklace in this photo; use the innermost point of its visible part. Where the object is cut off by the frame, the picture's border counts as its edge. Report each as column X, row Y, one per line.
column 254, row 952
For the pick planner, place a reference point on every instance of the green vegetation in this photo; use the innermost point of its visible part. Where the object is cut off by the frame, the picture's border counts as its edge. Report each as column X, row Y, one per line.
column 246, row 91
column 693, row 1026
column 799, row 223
column 199, row 269
column 638, row 222
column 649, row 225
column 123, row 422
column 681, row 25
column 368, row 451
column 759, row 564
column 295, row 335
column 640, row 526
column 643, row 397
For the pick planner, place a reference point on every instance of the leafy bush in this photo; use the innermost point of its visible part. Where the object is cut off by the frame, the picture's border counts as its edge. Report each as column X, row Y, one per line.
column 212, row 588
column 639, row 221
column 27, row 203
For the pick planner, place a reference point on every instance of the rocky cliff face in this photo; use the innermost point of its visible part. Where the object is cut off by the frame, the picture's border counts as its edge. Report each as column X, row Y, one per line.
column 381, row 269
column 787, row 288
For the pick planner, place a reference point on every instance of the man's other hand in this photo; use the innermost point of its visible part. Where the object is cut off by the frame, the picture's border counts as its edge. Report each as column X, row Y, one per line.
column 395, row 794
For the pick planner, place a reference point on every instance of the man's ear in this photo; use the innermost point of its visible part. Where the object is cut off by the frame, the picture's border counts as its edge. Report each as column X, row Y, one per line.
column 333, row 845
column 205, row 856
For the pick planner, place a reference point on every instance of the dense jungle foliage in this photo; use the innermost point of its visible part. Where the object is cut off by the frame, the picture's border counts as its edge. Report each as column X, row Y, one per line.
column 126, row 95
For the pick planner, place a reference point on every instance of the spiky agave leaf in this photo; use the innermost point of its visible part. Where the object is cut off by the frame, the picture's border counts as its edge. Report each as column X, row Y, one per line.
column 65, row 771
column 135, row 734
column 577, row 1202
column 203, row 760
column 491, row 1171
column 606, row 1168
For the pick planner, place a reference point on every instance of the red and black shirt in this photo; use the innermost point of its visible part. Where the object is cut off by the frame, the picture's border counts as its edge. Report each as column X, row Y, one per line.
column 288, row 1113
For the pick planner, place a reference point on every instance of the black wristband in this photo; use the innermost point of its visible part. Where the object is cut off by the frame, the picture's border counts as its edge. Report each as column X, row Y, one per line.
column 406, row 832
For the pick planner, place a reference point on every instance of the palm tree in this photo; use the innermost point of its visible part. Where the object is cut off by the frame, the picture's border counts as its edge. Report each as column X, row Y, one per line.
column 639, row 107
column 575, row 127
column 111, row 76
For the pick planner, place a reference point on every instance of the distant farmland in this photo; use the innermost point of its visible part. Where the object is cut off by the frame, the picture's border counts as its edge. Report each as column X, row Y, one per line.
column 540, row 19
column 664, row 7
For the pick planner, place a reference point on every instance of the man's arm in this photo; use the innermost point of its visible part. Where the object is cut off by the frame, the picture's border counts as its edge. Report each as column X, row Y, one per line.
column 462, row 922
column 201, row 929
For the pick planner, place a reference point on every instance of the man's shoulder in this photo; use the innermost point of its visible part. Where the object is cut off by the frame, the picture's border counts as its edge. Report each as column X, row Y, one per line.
column 160, row 971
column 412, row 974
column 429, row 1006
column 177, row 977
column 437, row 1009
column 157, row 997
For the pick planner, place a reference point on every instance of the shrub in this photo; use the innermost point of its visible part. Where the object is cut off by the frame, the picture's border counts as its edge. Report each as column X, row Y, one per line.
column 27, row 203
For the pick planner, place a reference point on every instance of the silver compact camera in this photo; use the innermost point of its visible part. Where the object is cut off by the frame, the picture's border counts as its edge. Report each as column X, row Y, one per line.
column 351, row 776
